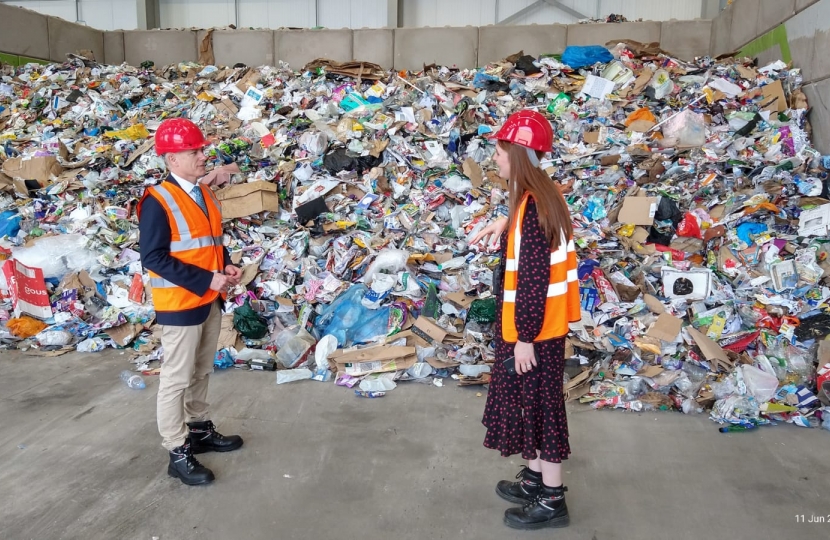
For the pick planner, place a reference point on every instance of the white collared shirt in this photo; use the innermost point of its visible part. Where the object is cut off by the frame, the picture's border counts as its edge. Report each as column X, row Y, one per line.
column 185, row 185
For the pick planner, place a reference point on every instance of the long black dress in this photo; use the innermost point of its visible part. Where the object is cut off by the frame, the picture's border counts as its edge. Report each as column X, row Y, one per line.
column 526, row 413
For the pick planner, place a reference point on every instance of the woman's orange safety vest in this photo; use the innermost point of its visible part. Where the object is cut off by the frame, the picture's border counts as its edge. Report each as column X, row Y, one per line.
column 562, row 305
column 194, row 239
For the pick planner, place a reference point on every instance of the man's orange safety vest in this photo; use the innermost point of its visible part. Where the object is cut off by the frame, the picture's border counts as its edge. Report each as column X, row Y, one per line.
column 562, row 305
column 195, row 238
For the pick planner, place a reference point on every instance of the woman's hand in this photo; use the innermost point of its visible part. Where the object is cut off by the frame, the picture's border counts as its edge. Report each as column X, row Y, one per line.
column 525, row 357
column 492, row 230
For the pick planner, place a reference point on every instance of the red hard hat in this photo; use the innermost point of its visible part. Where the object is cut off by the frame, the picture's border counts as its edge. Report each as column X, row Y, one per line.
column 178, row 135
column 527, row 128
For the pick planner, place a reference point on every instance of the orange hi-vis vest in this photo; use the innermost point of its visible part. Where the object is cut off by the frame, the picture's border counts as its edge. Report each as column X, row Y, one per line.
column 195, row 238
column 562, row 305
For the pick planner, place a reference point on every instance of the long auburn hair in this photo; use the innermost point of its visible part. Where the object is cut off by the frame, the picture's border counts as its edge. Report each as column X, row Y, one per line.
column 554, row 215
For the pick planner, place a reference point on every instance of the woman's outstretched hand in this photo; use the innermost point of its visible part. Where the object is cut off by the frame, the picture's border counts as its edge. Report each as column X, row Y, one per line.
column 493, row 231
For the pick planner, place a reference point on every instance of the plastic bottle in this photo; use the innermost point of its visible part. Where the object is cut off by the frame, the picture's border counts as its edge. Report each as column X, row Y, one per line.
column 737, row 427
column 133, row 380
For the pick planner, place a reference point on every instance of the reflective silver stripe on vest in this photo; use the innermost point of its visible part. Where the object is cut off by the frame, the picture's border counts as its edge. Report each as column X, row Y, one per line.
column 178, row 217
column 204, row 241
column 161, row 283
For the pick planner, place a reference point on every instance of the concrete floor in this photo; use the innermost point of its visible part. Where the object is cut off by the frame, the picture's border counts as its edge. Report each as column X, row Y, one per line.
column 80, row 458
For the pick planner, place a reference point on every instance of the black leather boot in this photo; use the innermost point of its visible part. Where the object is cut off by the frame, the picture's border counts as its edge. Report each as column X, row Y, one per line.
column 523, row 491
column 187, row 468
column 205, row 438
column 548, row 509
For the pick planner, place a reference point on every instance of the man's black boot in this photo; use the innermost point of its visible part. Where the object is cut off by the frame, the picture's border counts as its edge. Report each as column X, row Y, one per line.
column 187, row 468
column 548, row 509
column 523, row 491
column 205, row 438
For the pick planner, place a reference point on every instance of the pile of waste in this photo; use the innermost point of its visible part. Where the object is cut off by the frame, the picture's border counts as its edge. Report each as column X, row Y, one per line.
column 350, row 193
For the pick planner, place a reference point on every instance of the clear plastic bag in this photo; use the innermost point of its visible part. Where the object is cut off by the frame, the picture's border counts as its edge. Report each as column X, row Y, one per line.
column 760, row 385
column 292, row 375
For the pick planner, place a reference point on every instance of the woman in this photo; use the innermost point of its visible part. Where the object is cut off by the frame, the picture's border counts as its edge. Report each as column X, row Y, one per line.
column 537, row 297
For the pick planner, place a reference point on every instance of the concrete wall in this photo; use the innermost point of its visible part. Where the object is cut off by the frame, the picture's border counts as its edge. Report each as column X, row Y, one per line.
column 251, row 47
column 686, row 39
column 66, row 37
column 299, row 47
column 23, row 32
column 161, row 46
column 600, row 34
column 415, row 47
column 497, row 42
column 375, row 45
column 114, row 47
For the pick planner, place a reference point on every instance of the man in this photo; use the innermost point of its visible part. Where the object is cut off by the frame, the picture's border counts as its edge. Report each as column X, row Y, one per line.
column 190, row 273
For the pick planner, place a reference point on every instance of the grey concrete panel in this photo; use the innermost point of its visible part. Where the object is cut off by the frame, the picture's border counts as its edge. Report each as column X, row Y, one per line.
column 801, row 5
column 299, row 47
column 820, row 66
column 745, row 15
column 114, row 47
column 818, row 95
column 447, row 46
column 600, row 34
column 375, row 45
column 23, row 32
column 251, row 47
column 686, row 39
column 807, row 33
column 497, row 42
column 66, row 37
column 721, row 42
column 772, row 14
column 161, row 46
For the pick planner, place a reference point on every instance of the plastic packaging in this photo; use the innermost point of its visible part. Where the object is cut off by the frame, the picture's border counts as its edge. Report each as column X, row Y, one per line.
column 58, row 255
column 133, row 380
column 388, row 261
column 577, row 57
column 473, row 370
column 91, row 345
column 291, row 375
column 350, row 322
column 294, row 350
column 421, row 370
column 24, row 327
column 54, row 338
column 760, row 385
column 249, row 323
column 377, row 384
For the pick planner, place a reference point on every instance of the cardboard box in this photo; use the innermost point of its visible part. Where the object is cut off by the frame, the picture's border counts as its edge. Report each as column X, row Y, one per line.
column 667, row 327
column 41, row 169
column 638, row 210
column 578, row 386
column 248, row 199
column 774, row 98
column 700, row 278
column 27, row 290
column 433, row 334
column 460, row 300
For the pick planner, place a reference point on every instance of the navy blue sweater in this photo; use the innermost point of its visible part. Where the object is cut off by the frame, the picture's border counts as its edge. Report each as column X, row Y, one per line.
column 155, row 256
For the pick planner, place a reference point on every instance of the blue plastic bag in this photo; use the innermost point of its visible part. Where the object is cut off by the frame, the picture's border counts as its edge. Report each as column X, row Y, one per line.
column 9, row 223
column 578, row 57
column 349, row 321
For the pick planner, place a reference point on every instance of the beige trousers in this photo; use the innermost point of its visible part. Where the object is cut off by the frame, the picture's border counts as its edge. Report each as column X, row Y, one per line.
column 183, row 383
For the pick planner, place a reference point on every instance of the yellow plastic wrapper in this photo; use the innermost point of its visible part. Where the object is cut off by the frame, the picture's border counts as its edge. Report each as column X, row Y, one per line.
column 25, row 327
column 626, row 230
column 133, row 133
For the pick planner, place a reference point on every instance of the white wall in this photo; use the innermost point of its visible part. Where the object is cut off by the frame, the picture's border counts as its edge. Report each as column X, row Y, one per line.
column 275, row 13
column 100, row 14
column 484, row 12
column 124, row 14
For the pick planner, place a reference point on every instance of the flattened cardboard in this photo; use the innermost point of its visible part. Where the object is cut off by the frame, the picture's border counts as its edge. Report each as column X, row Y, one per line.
column 124, row 335
column 460, row 300
column 650, row 371
column 248, row 199
column 379, row 359
column 667, row 327
column 227, row 334
column 36, row 168
column 438, row 364
column 472, row 171
column 710, row 349
column 638, row 210
column 815, row 221
column 655, row 305
column 578, row 386
column 428, row 330
column 774, row 98
column 701, row 279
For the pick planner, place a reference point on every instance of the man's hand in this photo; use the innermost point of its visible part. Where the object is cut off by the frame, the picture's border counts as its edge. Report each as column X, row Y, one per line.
column 233, row 273
column 220, row 282
column 525, row 357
